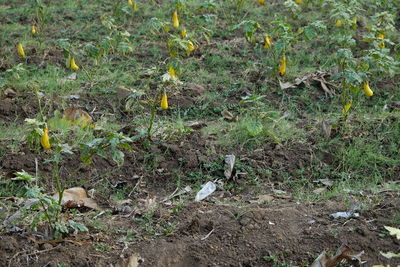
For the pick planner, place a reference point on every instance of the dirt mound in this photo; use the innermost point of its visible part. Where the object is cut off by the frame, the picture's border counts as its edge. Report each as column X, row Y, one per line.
column 220, row 235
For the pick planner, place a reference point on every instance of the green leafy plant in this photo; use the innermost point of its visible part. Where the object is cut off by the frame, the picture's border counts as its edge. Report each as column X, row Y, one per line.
column 110, row 144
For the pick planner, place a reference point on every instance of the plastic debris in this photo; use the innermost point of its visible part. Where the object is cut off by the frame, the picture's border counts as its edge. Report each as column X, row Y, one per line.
column 205, row 191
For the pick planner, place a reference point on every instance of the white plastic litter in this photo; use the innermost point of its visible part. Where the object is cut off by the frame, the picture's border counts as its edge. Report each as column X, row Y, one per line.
column 207, row 190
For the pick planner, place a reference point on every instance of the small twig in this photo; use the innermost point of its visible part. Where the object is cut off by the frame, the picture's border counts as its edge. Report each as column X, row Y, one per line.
column 30, row 254
column 136, row 185
column 204, row 238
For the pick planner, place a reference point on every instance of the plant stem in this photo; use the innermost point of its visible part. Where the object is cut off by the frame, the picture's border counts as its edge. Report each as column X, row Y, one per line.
column 152, row 116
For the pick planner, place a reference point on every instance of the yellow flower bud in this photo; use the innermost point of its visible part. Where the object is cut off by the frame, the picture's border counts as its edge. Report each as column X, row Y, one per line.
column 346, row 108
column 33, row 29
column 191, row 46
column 20, row 49
column 175, row 19
column 45, row 139
column 130, row 2
column 261, row 2
column 267, row 42
column 183, row 33
column 282, row 68
column 367, row 89
column 299, row 1
column 73, row 64
column 338, row 23
column 135, row 7
column 164, row 101
column 171, row 71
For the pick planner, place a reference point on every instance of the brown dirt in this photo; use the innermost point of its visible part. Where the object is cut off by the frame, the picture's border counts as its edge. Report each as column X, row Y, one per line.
column 293, row 233
column 230, row 229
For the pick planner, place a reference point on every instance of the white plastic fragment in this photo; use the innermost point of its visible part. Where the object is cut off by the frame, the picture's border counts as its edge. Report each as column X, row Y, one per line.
column 205, row 191
column 345, row 215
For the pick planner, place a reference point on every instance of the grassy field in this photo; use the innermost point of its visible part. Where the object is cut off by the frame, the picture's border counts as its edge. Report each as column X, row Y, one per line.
column 138, row 103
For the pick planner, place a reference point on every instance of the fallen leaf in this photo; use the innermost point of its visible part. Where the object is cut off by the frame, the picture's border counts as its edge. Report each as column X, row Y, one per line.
column 230, row 162
column 326, row 129
column 196, row 88
column 132, row 261
column 8, row 92
column 343, row 253
column 390, row 255
column 319, row 190
column 262, row 199
column 77, row 116
column 286, row 85
column 69, row 78
column 227, row 115
column 326, row 182
column 76, row 197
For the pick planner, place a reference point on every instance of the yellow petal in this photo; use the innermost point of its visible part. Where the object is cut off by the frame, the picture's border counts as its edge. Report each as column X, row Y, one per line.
column 183, row 33
column 191, row 46
column 282, row 68
column 367, row 89
column 175, row 19
column 164, row 101
column 171, row 71
column 20, row 49
column 130, row 2
column 267, row 42
column 338, row 23
column 346, row 108
column 45, row 139
column 73, row 64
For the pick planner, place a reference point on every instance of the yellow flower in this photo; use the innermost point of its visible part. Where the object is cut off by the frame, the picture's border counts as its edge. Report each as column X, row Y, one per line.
column 33, row 29
column 299, row 1
column 191, row 46
column 261, row 2
column 267, row 42
column 135, row 7
column 282, row 68
column 381, row 43
column 164, row 101
column 45, row 139
column 175, row 19
column 367, row 89
column 346, row 108
column 183, row 33
column 130, row 2
column 171, row 71
column 338, row 23
column 20, row 49
column 73, row 64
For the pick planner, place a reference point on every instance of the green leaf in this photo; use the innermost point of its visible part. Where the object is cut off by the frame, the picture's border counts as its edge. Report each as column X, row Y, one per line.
column 118, row 156
column 254, row 128
column 23, row 176
column 78, row 226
